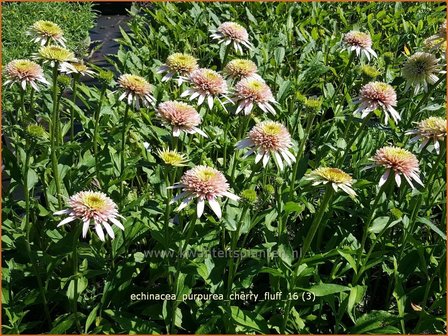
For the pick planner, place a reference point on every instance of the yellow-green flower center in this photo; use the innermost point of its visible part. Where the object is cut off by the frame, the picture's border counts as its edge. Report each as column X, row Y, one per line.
column 47, row 28
column 334, row 175
column 172, row 158
column 56, row 53
column 206, row 174
column 399, row 153
column 272, row 129
column 94, row 202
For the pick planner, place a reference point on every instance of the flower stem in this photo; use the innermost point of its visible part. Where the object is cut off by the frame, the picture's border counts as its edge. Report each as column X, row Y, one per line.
column 96, row 133
column 72, row 110
column 232, row 266
column 123, row 147
column 306, row 245
column 353, row 139
column 53, row 135
column 26, row 189
column 361, row 262
column 309, row 124
column 75, row 257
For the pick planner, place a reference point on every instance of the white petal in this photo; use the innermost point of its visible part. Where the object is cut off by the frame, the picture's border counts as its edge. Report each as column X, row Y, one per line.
column 397, row 179
column 214, row 205
column 266, row 158
column 62, row 212
column 384, row 178
column 210, row 100
column 85, row 228
column 200, row 207
column 117, row 223
column 278, row 159
column 99, row 232
column 109, row 230
column 66, row 220
column 230, row 195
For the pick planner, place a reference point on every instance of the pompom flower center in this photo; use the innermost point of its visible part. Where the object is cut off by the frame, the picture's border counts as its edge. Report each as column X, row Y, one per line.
column 357, row 38
column 47, row 28
column 56, row 53
column 380, row 92
column 334, row 175
column 181, row 62
column 270, row 136
column 94, row 202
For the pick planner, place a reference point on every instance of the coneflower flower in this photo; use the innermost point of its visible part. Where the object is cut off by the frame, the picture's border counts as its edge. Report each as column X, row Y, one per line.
column 240, row 68
column 231, row 32
column 266, row 139
column 359, row 42
column 93, row 208
column 253, row 91
column 420, row 70
column 431, row 129
column 44, row 32
column 440, row 37
column 178, row 64
column 76, row 68
column 336, row 177
column 206, row 184
column 172, row 157
column 376, row 95
column 135, row 88
column 182, row 117
column 24, row 72
column 56, row 54
column 207, row 84
column 398, row 161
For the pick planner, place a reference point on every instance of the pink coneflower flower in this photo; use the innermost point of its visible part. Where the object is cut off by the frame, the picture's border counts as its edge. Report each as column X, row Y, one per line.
column 420, row 70
column 431, row 129
column 182, row 117
column 359, row 42
column 206, row 184
column 93, row 208
column 376, row 95
column 207, row 84
column 231, row 32
column 178, row 64
column 44, row 32
column 269, row 138
column 55, row 55
column 253, row 91
column 336, row 177
column 24, row 72
column 78, row 68
column 399, row 161
column 135, row 88
column 240, row 68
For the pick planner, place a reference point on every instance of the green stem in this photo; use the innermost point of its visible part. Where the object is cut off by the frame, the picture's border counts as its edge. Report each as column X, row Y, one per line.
column 96, row 133
column 232, row 266
column 306, row 245
column 309, row 124
column 26, row 191
column 361, row 262
column 75, row 277
column 53, row 136
column 190, row 229
column 353, row 139
column 72, row 110
column 123, row 147
column 39, row 284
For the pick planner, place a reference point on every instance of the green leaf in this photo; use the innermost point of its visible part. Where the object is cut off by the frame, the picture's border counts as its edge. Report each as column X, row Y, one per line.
column 250, row 320
column 293, row 207
column 91, row 318
column 31, row 179
column 327, row 289
column 379, row 224
column 432, row 226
